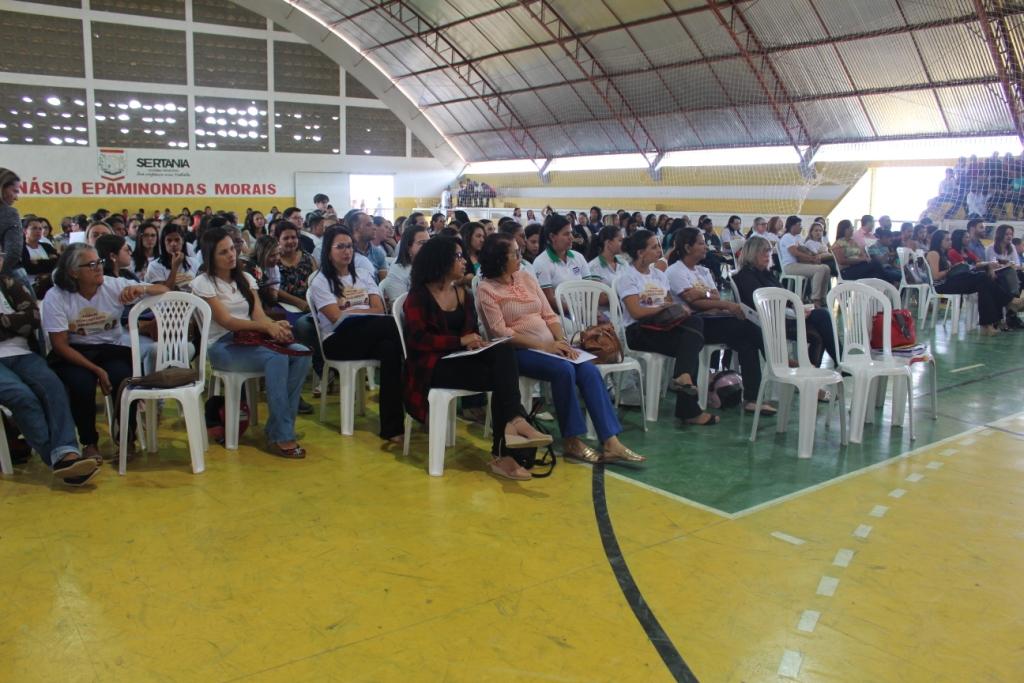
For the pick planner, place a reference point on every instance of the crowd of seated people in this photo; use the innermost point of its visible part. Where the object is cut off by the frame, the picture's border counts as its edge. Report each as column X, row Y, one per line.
column 258, row 274
column 990, row 188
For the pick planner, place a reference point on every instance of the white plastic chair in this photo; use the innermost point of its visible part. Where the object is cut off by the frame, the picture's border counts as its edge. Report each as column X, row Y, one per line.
column 923, row 291
column 6, row 466
column 656, row 367
column 857, row 304
column 957, row 303
column 580, row 301
column 921, row 355
column 771, row 304
column 441, row 415
column 173, row 312
column 350, row 381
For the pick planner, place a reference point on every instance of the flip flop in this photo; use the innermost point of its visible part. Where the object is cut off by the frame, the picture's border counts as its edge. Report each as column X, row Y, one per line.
column 713, row 420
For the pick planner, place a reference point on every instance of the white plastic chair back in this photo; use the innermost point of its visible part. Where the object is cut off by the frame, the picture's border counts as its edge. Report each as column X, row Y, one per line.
column 885, row 288
column 857, row 304
column 771, row 304
column 399, row 314
column 579, row 301
column 314, row 313
column 173, row 312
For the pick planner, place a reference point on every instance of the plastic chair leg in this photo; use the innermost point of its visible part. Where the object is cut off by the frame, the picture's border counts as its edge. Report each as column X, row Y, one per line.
column 152, row 407
column 122, row 457
column 347, row 400
column 652, row 391
column 232, row 399
column 408, row 436
column 843, row 431
column 858, row 408
column 757, row 411
column 6, row 466
column 785, row 392
column 194, row 426
column 808, row 422
column 935, row 391
column 437, row 436
column 324, row 383
column 450, row 431
column 252, row 397
column 703, row 377
column 643, row 399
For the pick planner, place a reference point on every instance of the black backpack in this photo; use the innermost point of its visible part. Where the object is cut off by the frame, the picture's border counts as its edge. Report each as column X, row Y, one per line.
column 527, row 457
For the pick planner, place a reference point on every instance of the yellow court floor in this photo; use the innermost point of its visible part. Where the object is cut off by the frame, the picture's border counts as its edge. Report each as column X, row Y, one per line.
column 354, row 565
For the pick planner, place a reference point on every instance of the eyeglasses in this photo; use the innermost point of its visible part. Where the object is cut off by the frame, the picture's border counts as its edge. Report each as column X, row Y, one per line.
column 459, row 256
column 91, row 265
column 344, row 246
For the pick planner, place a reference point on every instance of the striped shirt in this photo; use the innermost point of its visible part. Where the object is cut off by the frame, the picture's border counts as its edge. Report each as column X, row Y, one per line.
column 517, row 308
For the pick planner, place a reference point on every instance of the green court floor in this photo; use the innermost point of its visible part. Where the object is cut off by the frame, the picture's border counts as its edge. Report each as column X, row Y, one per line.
column 720, row 468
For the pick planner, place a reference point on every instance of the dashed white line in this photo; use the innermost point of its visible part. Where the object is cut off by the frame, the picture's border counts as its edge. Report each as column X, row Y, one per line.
column 862, row 531
column 916, row 476
column 827, row 586
column 787, row 538
column 878, row 511
column 969, row 441
column 843, row 557
column 808, row 621
column 967, row 367
column 934, row 465
column 789, row 667
column 897, row 493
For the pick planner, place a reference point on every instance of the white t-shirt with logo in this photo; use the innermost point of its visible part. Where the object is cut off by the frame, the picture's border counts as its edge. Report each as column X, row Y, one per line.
column 681, row 277
column 354, row 296
column 87, row 321
column 600, row 270
column 158, row 273
column 230, row 297
column 788, row 240
column 16, row 345
column 652, row 288
column 552, row 271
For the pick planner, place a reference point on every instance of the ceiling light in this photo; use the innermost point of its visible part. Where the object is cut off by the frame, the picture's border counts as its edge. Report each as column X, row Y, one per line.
column 335, row 151
column 3, row 139
column 199, row 108
column 211, row 145
column 3, row 125
column 252, row 111
column 79, row 103
column 201, row 145
column 159, row 132
column 81, row 142
column 55, row 101
column 172, row 143
column 170, row 120
column 232, row 111
column 124, row 131
column 263, row 112
column 232, row 133
column 222, row 122
column 100, row 117
column 26, row 98
column 71, row 140
column 29, row 139
column 123, row 117
column 66, row 115
column 80, row 129
column 200, row 132
column 277, row 125
column 296, row 137
column 368, row 130
column 253, row 134
column 209, row 120
column 171, row 107
column 366, row 151
column 316, row 138
column 122, row 105
column 134, row 104
column 97, row 104
column 149, row 119
column 147, row 107
column 221, row 133
column 56, row 141
column 26, row 125
column 160, row 107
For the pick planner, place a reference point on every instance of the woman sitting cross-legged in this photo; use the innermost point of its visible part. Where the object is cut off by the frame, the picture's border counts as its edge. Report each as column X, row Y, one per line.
column 854, row 261
column 31, row 390
column 755, row 259
column 82, row 314
column 514, row 306
column 342, row 297
column 440, row 318
column 724, row 321
column 645, row 292
column 235, row 306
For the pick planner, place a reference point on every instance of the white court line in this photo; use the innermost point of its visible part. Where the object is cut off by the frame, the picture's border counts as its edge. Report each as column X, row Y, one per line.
column 789, row 667
column 934, row 465
column 808, row 621
column 669, row 494
column 787, row 538
column 970, row 441
column 827, row 586
column 915, row 476
column 878, row 511
column 843, row 557
column 949, row 451
column 967, row 367
column 897, row 493
column 862, row 531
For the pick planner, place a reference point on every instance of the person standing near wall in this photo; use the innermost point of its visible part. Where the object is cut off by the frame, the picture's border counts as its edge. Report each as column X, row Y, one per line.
column 12, row 237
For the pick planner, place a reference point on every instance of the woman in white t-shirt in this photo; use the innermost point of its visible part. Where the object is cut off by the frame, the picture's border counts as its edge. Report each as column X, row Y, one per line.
column 354, row 326
column 724, row 321
column 31, row 390
column 398, row 279
column 231, row 294
column 172, row 268
column 82, row 314
column 645, row 293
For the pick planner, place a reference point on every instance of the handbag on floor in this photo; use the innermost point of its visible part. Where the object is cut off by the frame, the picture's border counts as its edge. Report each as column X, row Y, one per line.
column 527, row 457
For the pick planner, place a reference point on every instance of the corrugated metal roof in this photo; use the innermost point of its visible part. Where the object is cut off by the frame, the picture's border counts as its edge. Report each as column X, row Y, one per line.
column 750, row 72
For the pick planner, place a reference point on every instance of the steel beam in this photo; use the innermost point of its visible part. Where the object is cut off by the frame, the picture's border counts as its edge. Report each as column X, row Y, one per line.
column 761, row 66
column 1002, row 53
column 576, row 49
column 515, row 134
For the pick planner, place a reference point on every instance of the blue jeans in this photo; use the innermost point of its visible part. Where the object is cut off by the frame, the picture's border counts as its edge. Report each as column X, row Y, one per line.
column 36, row 397
column 284, row 377
column 565, row 378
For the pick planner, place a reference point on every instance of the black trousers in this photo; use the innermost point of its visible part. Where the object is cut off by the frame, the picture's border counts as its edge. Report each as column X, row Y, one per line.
column 376, row 338
column 991, row 299
column 818, row 326
column 494, row 370
column 744, row 337
column 80, row 384
column 683, row 343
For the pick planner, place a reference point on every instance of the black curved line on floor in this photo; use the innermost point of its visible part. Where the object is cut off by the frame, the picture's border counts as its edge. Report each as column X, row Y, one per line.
column 641, row 610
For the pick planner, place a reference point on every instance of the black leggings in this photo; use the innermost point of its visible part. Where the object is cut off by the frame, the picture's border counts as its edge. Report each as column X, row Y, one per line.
column 494, row 370
column 377, row 338
column 866, row 269
column 81, row 383
column 682, row 343
column 991, row 299
column 744, row 337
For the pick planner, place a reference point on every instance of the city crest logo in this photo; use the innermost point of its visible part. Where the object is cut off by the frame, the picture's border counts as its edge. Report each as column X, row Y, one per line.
column 111, row 163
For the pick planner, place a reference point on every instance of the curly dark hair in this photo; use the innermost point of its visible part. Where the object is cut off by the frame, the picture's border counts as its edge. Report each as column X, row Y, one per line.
column 493, row 256
column 433, row 262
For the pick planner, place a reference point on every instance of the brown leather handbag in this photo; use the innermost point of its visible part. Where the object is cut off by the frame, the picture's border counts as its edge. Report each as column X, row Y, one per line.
column 601, row 341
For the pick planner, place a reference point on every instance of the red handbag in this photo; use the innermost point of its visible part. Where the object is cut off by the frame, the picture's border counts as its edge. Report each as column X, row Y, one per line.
column 903, row 330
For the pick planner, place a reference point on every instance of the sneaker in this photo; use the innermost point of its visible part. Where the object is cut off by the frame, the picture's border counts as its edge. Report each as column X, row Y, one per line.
column 305, row 408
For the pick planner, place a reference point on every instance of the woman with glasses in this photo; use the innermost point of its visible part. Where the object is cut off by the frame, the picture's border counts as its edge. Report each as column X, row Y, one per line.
column 354, row 325
column 82, row 314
